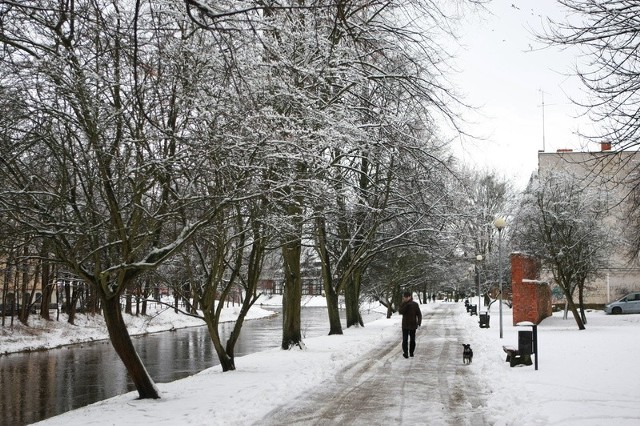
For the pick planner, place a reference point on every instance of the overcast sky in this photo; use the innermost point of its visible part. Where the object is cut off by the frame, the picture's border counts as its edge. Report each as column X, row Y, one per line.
column 506, row 72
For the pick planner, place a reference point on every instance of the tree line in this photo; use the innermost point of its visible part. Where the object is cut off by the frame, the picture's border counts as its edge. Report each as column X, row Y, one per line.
column 148, row 140
column 191, row 142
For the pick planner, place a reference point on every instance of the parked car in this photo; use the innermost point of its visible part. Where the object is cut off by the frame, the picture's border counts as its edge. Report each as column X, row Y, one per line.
column 629, row 304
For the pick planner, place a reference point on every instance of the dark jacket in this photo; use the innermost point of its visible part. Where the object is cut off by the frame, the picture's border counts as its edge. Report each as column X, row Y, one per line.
column 411, row 315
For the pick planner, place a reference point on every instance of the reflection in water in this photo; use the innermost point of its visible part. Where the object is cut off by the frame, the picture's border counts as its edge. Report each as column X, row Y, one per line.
column 38, row 385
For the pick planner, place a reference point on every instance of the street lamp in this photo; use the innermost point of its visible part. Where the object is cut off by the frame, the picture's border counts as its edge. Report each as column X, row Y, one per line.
column 500, row 223
column 478, row 260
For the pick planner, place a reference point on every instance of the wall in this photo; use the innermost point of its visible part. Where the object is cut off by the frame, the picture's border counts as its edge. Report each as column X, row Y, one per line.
column 531, row 298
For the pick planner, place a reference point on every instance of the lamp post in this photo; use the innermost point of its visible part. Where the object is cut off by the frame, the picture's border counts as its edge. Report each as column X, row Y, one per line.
column 500, row 223
column 478, row 260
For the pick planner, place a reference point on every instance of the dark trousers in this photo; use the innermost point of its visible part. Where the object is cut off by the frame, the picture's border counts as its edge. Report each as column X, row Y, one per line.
column 408, row 340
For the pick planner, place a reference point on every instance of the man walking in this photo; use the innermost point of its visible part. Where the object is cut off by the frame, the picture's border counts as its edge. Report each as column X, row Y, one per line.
column 411, row 320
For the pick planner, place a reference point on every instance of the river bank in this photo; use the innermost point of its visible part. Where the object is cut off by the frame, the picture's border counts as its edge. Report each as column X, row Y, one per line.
column 44, row 335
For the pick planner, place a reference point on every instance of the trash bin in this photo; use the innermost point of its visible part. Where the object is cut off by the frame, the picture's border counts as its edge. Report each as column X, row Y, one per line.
column 528, row 342
column 473, row 310
column 484, row 319
column 525, row 342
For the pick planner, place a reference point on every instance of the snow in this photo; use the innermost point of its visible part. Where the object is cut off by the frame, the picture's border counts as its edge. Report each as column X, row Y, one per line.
column 53, row 334
column 585, row 377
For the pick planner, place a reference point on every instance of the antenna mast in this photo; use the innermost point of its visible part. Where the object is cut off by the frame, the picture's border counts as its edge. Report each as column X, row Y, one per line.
column 543, row 141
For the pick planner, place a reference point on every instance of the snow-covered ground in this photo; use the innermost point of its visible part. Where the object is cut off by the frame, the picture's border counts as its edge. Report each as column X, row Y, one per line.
column 52, row 334
column 585, row 377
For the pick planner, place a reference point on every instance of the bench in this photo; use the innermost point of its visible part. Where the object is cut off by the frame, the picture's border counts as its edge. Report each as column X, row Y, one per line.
column 473, row 310
column 515, row 357
column 521, row 354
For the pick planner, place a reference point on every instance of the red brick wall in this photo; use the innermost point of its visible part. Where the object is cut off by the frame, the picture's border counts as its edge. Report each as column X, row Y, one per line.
column 531, row 300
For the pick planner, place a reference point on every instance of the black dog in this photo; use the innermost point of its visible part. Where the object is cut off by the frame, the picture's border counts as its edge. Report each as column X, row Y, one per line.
column 467, row 354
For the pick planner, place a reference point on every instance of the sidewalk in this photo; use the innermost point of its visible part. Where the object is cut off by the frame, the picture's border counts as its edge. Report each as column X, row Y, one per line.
column 384, row 388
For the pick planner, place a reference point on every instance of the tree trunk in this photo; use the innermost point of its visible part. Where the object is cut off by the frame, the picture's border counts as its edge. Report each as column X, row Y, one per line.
column 138, row 289
column 5, row 288
column 45, row 284
column 70, row 300
column 93, row 301
column 47, row 291
column 194, row 304
column 123, row 346
column 226, row 362
column 583, row 315
column 127, row 305
column 352, row 299
column 145, row 296
column 335, row 327
column 72, row 306
column 26, row 295
column 254, row 270
column 574, row 310
column 292, row 294
column 237, row 327
column 576, row 315
column 396, row 297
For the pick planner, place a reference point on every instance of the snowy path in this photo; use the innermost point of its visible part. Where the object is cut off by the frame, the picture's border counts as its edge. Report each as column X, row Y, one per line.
column 434, row 387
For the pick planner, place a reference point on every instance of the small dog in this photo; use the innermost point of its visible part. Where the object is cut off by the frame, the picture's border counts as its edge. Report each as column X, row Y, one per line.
column 467, row 354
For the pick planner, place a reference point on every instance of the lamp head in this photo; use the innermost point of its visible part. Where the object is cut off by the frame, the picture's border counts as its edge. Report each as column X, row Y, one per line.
column 500, row 223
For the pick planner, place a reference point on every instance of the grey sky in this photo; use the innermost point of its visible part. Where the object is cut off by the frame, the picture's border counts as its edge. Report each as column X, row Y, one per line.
column 505, row 71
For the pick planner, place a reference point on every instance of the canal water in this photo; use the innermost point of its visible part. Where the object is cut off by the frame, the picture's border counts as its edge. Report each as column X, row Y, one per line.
column 38, row 385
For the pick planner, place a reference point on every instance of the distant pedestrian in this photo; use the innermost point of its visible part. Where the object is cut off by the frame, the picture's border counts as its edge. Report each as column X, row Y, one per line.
column 411, row 320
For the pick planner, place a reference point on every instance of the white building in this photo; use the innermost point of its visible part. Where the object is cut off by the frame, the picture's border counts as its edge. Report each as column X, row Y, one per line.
column 616, row 172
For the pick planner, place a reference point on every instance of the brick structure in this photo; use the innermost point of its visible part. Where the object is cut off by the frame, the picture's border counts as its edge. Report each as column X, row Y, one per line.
column 531, row 297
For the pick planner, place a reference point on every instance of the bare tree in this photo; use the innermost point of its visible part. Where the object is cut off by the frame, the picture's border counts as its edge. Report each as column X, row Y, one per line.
column 225, row 261
column 381, row 83
column 109, row 157
column 607, row 32
column 560, row 223
column 483, row 196
column 346, row 84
